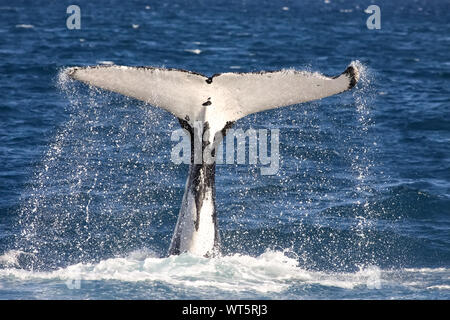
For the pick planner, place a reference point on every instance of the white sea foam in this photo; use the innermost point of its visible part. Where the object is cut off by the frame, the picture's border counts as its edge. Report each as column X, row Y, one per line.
column 10, row 258
column 272, row 271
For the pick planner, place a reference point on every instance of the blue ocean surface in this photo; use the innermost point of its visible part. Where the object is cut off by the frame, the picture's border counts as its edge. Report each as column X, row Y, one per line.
column 359, row 208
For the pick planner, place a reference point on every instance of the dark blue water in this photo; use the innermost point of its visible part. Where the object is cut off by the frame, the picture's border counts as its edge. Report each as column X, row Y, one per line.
column 359, row 208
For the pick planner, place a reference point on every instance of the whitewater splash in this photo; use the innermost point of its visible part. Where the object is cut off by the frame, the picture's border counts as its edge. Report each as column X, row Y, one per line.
column 270, row 273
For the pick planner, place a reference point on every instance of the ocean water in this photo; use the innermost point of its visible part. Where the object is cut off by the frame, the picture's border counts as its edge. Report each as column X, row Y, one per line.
column 359, row 208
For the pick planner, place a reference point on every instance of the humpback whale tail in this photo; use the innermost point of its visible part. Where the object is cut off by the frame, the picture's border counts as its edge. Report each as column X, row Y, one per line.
column 213, row 103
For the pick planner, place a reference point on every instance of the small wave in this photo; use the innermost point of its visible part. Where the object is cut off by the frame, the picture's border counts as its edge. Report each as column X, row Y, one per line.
column 106, row 62
column 25, row 26
column 11, row 258
column 426, row 270
column 195, row 51
column 440, row 287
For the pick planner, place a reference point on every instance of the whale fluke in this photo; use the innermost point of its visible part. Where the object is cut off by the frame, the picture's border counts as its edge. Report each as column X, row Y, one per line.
column 232, row 95
column 215, row 102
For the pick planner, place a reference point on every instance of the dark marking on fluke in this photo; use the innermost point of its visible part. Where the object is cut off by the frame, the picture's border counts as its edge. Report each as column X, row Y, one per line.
column 352, row 74
column 228, row 125
column 185, row 125
column 201, row 176
column 207, row 103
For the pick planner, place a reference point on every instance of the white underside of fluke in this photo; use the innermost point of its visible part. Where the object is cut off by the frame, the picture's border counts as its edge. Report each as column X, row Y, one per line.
column 218, row 101
column 220, row 98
